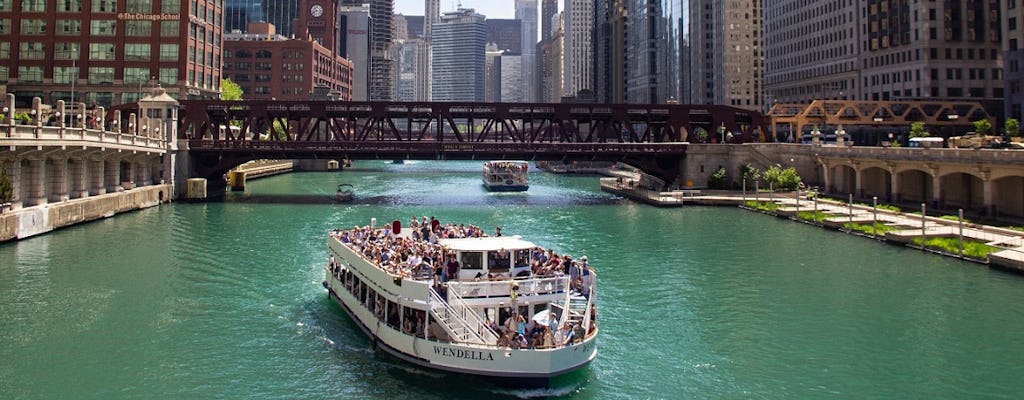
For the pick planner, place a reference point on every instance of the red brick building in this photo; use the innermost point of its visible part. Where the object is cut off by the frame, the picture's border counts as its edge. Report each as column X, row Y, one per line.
column 105, row 52
column 270, row 66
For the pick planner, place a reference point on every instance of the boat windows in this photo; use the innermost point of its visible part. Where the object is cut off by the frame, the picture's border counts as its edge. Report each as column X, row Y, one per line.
column 471, row 260
column 498, row 261
column 522, row 258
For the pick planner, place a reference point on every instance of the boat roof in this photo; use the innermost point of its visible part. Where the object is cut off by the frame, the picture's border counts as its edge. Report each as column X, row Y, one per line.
column 507, row 162
column 487, row 243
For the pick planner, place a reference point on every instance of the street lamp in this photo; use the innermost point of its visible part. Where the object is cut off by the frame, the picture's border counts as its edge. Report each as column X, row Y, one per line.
column 721, row 132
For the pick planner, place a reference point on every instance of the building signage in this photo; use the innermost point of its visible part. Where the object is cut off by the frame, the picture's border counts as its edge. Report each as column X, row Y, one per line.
column 460, row 353
column 148, row 17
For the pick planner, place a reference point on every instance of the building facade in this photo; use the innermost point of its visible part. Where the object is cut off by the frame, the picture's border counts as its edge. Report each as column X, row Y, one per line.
column 458, row 42
column 725, row 57
column 526, row 13
column 578, row 61
column 609, row 51
column 1013, row 59
column 510, row 78
column 354, row 25
column 268, row 66
column 238, row 14
column 654, row 32
column 382, row 62
column 884, row 50
column 105, row 52
column 507, row 34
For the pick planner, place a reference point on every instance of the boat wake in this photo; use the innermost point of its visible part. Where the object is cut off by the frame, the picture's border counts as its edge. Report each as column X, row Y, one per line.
column 538, row 392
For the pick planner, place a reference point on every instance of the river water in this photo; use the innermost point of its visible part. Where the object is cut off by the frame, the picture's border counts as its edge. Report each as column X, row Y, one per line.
column 223, row 300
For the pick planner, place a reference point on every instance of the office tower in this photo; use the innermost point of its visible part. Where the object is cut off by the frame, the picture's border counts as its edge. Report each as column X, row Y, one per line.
column 526, row 13
column 431, row 16
column 507, row 34
column 239, row 13
column 653, row 36
column 549, row 54
column 382, row 63
column 609, row 51
column 126, row 46
column 548, row 13
column 492, row 77
column 510, row 78
column 884, row 50
column 355, row 46
column 725, row 54
column 578, row 61
column 1013, row 59
column 458, row 43
column 282, row 14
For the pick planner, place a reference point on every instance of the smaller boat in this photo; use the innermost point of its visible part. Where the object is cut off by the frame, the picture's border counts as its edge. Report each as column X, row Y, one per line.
column 506, row 176
column 345, row 193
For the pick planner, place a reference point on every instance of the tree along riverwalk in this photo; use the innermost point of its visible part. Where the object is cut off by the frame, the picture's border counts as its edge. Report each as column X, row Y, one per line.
column 910, row 229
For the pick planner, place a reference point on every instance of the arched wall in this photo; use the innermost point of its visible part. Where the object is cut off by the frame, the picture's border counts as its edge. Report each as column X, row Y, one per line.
column 876, row 181
column 915, row 186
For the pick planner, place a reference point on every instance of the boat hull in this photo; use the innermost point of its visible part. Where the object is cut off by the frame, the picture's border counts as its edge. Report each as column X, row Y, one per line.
column 506, row 188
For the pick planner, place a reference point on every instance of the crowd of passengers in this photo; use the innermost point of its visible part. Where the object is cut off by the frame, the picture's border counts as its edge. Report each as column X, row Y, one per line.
column 421, row 256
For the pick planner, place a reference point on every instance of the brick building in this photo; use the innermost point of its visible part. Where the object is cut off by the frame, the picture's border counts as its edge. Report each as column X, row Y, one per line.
column 271, row 66
column 104, row 52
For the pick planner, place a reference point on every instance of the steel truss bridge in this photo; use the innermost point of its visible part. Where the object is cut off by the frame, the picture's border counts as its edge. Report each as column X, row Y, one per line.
column 224, row 134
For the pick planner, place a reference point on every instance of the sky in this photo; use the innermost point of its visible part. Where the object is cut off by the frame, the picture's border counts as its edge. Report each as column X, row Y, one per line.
column 493, row 9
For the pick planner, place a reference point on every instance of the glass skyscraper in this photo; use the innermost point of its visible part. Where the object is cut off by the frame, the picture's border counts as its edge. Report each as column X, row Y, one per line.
column 458, row 43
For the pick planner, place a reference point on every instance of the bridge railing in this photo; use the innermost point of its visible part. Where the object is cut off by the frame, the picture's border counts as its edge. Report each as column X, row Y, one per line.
column 442, row 147
column 19, row 132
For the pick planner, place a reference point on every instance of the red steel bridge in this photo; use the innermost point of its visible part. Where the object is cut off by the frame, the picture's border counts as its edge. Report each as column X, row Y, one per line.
column 224, row 134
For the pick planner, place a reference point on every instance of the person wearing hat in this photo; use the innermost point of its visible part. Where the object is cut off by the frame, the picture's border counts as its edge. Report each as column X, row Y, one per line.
column 587, row 278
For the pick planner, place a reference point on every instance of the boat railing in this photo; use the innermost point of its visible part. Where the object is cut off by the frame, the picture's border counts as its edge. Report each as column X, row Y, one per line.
column 463, row 310
column 456, row 324
column 503, row 288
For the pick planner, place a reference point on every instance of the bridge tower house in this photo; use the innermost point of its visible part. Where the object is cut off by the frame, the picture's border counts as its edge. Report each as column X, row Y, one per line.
column 158, row 118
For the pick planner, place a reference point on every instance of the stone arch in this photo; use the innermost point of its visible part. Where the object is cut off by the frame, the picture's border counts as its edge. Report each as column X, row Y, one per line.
column 876, row 181
column 1008, row 198
column 962, row 190
column 844, row 179
column 916, row 186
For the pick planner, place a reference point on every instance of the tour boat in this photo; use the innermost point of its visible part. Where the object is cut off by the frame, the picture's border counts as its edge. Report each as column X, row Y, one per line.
column 506, row 176
column 461, row 301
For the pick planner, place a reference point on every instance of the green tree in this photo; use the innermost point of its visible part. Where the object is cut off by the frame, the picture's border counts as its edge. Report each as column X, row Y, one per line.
column 783, row 179
column 750, row 173
column 1012, row 126
column 230, row 90
column 982, row 127
column 6, row 188
column 719, row 179
column 917, row 130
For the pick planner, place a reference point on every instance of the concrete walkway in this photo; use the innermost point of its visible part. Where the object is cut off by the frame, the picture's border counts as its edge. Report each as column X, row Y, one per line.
column 1011, row 242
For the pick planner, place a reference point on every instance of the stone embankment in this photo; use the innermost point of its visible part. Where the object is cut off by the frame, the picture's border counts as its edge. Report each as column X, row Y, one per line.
column 36, row 220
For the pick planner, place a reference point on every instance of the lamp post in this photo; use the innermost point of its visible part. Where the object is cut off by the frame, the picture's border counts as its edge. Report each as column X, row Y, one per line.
column 721, row 132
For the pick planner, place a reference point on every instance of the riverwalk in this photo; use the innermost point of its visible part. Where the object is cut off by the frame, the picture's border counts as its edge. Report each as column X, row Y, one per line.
column 903, row 228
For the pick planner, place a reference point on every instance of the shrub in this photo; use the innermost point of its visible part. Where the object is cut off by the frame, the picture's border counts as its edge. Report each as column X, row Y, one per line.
column 1012, row 127
column 917, row 130
column 972, row 248
column 719, row 179
column 783, row 179
column 818, row 217
column 982, row 127
column 879, row 228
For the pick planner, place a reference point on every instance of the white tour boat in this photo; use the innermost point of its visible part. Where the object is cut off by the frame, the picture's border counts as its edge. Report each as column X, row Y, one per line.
column 506, row 176
column 497, row 307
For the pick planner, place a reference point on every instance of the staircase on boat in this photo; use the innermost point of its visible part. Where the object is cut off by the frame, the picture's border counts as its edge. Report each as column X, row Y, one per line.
column 459, row 321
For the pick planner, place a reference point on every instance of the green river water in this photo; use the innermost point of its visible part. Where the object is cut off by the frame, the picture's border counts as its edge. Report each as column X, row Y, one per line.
column 224, row 301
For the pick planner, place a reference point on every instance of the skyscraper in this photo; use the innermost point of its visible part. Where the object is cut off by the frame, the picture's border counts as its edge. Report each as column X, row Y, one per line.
column 239, row 13
column 526, row 12
column 725, row 54
column 884, row 50
column 355, row 46
column 1013, row 61
column 382, row 63
column 458, row 43
column 578, row 62
column 609, row 51
column 653, row 38
column 548, row 12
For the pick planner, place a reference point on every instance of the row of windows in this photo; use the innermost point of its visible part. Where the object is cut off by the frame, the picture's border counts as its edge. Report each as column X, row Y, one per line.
column 96, row 75
column 97, row 51
column 244, row 53
column 98, row 6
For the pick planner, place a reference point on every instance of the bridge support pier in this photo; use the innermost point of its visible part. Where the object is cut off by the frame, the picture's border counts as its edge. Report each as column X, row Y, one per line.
column 34, row 184
column 96, row 187
column 56, row 177
column 110, row 175
column 77, row 177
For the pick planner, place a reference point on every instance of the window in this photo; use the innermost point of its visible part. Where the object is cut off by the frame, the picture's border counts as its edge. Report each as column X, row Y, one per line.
column 140, row 6
column 5, row 50
column 69, row 27
column 136, row 51
column 64, row 75
column 69, row 5
column 33, row 27
column 33, row 6
column 264, row 54
column 138, row 28
column 5, row 5
column 5, row 74
column 169, row 28
column 30, row 74
column 66, row 51
column 101, row 75
column 170, row 7
column 103, row 27
column 104, row 6
column 168, row 76
column 5, row 26
column 101, row 51
column 472, row 260
column 136, row 75
column 169, row 52
column 32, row 51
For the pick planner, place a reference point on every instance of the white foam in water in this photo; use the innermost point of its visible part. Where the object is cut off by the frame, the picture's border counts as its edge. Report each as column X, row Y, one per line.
column 538, row 393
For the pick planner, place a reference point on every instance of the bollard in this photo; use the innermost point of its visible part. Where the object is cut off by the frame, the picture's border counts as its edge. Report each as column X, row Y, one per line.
column 960, row 220
column 874, row 208
column 850, row 228
column 923, row 214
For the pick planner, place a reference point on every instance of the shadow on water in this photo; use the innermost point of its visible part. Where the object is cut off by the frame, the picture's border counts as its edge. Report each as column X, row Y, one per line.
column 493, row 199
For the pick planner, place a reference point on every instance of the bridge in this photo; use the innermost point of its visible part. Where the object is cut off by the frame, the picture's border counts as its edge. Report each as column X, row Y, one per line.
column 224, row 134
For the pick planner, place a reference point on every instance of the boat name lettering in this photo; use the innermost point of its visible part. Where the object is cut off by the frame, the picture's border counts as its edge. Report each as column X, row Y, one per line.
column 460, row 353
